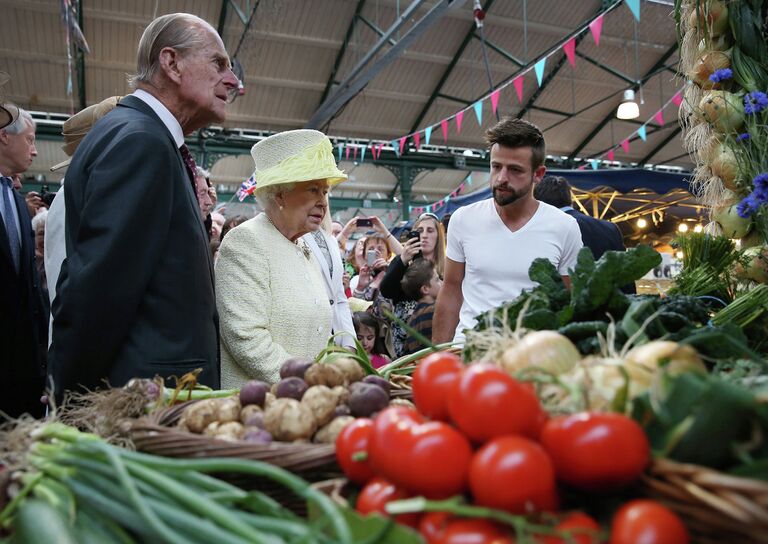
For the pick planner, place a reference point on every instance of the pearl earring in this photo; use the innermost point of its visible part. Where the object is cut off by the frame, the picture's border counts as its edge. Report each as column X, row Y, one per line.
column 281, row 208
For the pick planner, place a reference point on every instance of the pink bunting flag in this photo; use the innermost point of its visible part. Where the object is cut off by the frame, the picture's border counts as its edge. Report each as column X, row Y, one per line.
column 402, row 144
column 417, row 140
column 677, row 99
column 569, row 48
column 459, row 119
column 610, row 155
column 495, row 100
column 659, row 117
column 518, row 83
column 596, row 27
column 373, row 151
column 444, row 128
column 582, row 167
column 378, row 153
column 354, row 153
column 346, row 153
column 625, row 146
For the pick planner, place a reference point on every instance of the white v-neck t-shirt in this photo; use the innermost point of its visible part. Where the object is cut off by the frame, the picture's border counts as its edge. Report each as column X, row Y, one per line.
column 496, row 260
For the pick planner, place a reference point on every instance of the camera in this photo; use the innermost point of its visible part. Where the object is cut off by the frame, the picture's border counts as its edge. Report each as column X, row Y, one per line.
column 370, row 257
column 364, row 222
column 46, row 196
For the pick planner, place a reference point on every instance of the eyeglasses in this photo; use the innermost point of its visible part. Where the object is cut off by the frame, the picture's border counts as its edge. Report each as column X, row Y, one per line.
column 429, row 214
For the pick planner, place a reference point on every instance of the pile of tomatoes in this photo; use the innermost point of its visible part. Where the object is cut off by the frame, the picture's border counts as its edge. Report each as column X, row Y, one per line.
column 480, row 433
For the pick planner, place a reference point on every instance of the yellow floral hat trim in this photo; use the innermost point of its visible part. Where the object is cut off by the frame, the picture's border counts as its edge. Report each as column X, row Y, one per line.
column 315, row 161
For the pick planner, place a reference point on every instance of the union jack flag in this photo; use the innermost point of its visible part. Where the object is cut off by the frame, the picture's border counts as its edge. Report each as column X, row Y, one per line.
column 246, row 188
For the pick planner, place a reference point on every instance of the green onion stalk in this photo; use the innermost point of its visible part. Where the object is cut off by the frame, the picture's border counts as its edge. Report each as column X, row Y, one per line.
column 109, row 494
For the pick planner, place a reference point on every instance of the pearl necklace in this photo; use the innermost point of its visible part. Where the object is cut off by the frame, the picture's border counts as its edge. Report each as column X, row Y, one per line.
column 302, row 246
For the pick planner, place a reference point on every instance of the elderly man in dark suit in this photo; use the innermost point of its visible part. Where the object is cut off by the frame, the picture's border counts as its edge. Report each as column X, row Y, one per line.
column 23, row 326
column 135, row 297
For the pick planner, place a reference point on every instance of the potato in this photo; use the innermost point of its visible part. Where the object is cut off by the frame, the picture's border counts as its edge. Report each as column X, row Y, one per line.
column 328, row 433
column 211, row 429
column 367, row 399
column 381, row 382
column 342, row 410
column 295, row 366
column 253, row 392
column 252, row 416
column 255, row 435
column 288, row 419
column 351, row 369
column 291, row 388
column 324, row 374
column 268, row 400
column 228, row 409
column 199, row 415
column 232, row 431
column 342, row 394
column 402, row 402
column 322, row 402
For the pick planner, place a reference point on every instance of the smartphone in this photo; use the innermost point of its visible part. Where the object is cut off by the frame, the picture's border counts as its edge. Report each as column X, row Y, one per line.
column 371, row 257
column 414, row 234
column 364, row 222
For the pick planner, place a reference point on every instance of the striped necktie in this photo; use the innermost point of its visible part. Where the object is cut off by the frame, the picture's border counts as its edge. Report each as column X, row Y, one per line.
column 189, row 162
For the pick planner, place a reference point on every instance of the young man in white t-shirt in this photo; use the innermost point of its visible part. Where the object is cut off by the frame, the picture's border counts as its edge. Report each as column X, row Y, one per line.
column 492, row 243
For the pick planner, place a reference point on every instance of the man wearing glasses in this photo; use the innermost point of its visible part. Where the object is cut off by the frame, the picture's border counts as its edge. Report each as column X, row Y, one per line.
column 492, row 243
column 135, row 295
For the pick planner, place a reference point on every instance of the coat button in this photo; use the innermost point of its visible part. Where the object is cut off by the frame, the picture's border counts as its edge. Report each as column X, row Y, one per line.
column 331, row 301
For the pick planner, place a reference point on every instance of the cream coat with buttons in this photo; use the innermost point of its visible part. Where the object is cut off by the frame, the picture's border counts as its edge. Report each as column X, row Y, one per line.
column 272, row 303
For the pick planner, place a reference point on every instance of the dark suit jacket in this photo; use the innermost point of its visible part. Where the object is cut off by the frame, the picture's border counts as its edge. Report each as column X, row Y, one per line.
column 23, row 327
column 135, row 296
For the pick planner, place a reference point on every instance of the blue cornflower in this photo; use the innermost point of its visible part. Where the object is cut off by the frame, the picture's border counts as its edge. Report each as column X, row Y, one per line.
column 721, row 75
column 760, row 183
column 747, row 207
column 755, row 102
column 743, row 136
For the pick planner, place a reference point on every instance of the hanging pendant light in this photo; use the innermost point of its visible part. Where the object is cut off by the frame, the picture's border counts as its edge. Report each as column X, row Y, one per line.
column 628, row 108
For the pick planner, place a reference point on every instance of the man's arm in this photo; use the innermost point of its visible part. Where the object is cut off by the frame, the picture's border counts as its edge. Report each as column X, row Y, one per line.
column 449, row 303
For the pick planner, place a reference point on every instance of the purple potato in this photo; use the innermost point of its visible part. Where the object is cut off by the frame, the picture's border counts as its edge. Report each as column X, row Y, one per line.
column 253, row 392
column 295, row 366
column 291, row 388
column 257, row 436
column 255, row 419
column 342, row 410
column 367, row 399
column 379, row 381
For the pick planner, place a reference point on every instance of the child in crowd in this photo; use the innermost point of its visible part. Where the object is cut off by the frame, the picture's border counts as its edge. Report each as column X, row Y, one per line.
column 368, row 331
column 421, row 283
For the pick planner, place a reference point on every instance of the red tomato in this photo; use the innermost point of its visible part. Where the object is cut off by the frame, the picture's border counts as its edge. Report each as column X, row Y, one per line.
column 351, row 442
column 512, row 473
column 377, row 493
column 432, row 526
column 432, row 380
column 596, row 451
column 647, row 522
column 486, row 402
column 587, row 531
column 429, row 458
column 473, row 531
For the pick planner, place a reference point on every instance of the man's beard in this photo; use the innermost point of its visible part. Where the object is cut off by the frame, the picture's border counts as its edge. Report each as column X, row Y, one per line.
column 512, row 195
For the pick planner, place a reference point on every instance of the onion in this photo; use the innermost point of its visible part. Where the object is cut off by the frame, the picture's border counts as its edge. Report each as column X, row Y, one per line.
column 756, row 268
column 725, row 166
column 716, row 14
column 706, row 65
column 726, row 216
column 603, row 378
column 720, row 43
column 752, row 239
column 723, row 110
column 548, row 350
column 676, row 357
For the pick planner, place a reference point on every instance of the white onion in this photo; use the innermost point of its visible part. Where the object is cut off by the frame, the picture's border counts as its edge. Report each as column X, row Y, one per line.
column 548, row 350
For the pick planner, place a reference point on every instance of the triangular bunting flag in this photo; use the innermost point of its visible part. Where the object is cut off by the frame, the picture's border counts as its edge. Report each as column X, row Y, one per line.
column 354, row 153
column 569, row 48
column 594, row 163
column 362, row 153
column 518, row 83
column 677, row 99
column 479, row 112
column 495, row 100
column 378, row 151
column 610, row 155
column 582, row 167
column 625, row 145
column 539, row 69
column 469, row 179
column 659, row 117
column 459, row 119
column 373, row 151
column 444, row 128
column 402, row 143
column 341, row 148
column 395, row 147
column 634, row 7
column 346, row 153
column 641, row 132
column 417, row 140
column 427, row 135
column 596, row 28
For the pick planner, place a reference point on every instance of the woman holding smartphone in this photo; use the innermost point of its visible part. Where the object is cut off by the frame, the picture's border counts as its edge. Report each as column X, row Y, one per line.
column 426, row 241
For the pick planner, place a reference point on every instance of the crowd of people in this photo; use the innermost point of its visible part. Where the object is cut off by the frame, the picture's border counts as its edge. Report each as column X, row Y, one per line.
column 130, row 271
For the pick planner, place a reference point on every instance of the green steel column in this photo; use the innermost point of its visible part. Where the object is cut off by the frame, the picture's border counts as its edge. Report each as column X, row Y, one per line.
column 405, row 190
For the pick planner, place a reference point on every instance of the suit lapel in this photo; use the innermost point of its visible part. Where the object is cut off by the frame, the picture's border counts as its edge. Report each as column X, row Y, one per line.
column 320, row 258
column 5, row 249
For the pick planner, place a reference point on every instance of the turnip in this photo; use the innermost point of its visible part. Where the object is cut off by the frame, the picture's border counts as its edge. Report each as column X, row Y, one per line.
column 295, row 366
column 366, row 399
column 291, row 387
column 253, row 392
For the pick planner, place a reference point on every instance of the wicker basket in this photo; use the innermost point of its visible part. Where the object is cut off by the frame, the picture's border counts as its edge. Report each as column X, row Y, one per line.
column 716, row 507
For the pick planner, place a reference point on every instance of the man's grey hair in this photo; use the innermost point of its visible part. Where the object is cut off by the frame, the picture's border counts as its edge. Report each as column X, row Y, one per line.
column 38, row 221
column 20, row 125
column 266, row 196
column 180, row 31
column 202, row 172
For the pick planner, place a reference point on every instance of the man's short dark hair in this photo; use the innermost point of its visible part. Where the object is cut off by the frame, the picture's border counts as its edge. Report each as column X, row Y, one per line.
column 513, row 132
column 418, row 274
column 554, row 190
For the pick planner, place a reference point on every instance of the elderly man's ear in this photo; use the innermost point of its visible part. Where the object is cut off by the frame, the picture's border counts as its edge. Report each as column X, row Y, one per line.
column 169, row 63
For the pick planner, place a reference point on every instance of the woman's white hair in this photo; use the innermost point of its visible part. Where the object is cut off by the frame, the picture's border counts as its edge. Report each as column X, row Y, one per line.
column 183, row 32
column 38, row 221
column 266, row 196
